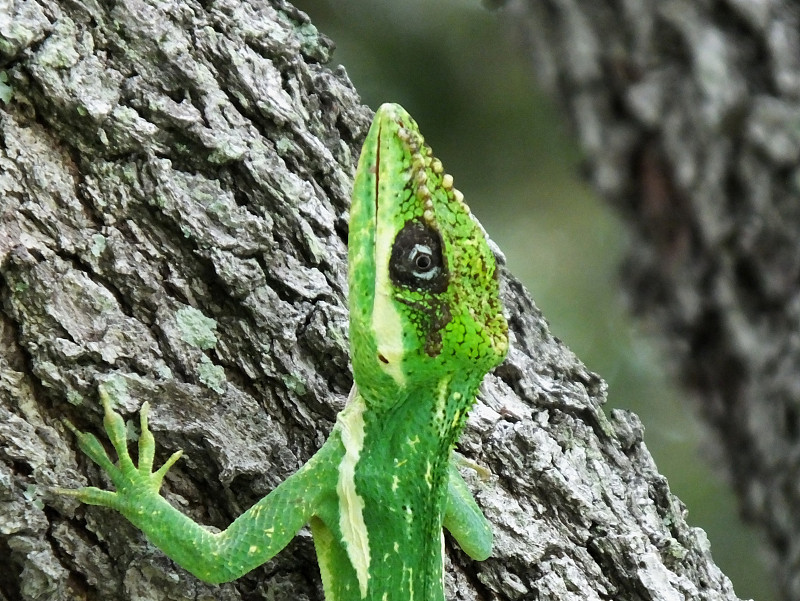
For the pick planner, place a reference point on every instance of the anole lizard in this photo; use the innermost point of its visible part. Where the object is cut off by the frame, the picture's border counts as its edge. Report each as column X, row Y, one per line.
column 426, row 325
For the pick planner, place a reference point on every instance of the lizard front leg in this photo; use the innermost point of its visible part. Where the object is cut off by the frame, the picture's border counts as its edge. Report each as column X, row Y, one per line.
column 464, row 519
column 252, row 539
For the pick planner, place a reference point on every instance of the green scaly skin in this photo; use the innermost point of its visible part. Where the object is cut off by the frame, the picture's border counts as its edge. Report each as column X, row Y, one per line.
column 426, row 325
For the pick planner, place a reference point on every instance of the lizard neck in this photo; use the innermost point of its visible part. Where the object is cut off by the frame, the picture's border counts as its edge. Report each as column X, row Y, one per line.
column 402, row 476
column 421, row 426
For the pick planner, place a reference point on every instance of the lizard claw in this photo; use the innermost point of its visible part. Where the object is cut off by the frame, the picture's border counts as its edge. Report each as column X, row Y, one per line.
column 90, row 495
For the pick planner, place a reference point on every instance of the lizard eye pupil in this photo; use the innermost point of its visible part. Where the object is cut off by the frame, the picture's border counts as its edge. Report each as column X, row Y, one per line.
column 417, row 261
column 422, row 258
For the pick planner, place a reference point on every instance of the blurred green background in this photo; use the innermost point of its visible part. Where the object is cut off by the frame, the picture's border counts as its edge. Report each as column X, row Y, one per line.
column 455, row 67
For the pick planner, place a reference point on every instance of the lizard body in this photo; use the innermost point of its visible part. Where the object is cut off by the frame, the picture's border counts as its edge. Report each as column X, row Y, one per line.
column 426, row 325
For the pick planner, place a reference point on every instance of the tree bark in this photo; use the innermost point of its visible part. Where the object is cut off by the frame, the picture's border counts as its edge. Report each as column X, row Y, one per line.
column 688, row 115
column 175, row 179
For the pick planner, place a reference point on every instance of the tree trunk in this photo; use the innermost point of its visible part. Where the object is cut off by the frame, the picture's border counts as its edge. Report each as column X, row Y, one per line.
column 175, row 179
column 688, row 113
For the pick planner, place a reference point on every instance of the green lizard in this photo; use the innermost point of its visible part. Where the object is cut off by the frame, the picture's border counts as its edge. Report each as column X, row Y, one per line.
column 426, row 325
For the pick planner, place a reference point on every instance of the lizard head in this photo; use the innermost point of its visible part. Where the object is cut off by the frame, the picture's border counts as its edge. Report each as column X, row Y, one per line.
column 424, row 298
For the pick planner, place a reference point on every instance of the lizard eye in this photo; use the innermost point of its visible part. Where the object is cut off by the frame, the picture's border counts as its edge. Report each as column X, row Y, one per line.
column 417, row 259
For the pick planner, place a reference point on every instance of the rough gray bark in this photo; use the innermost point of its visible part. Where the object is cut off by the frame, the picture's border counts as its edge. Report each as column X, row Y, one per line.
column 688, row 113
column 175, row 179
